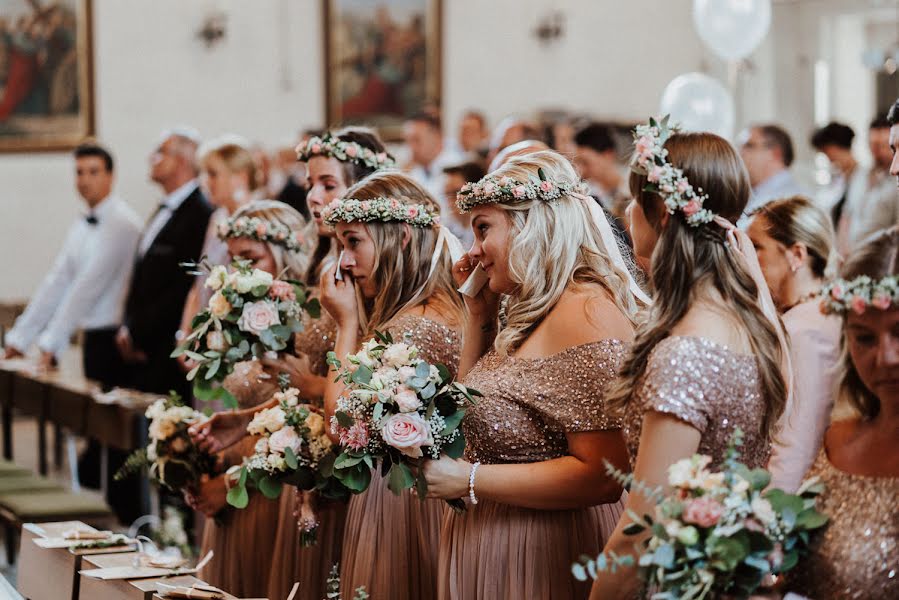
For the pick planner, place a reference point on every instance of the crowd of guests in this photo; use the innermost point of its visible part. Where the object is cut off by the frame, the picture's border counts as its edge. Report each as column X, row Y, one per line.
column 577, row 364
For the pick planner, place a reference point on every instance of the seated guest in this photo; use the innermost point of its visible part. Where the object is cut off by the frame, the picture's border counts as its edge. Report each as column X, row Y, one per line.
column 159, row 284
column 597, row 161
column 767, row 152
column 85, row 284
column 455, row 176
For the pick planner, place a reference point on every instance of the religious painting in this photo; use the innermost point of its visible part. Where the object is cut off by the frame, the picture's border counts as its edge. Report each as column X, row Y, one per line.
column 382, row 61
column 45, row 74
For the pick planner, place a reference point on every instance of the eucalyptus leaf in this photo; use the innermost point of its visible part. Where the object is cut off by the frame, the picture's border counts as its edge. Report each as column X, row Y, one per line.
column 238, row 496
column 290, row 457
column 270, row 487
column 400, row 478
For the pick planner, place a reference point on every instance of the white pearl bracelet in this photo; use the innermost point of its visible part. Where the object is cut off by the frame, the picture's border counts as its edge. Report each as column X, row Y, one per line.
column 471, row 496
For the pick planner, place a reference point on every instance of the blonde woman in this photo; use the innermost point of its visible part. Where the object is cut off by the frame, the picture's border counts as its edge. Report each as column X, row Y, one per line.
column 243, row 540
column 536, row 442
column 859, row 463
column 794, row 241
column 708, row 359
column 334, row 162
column 390, row 283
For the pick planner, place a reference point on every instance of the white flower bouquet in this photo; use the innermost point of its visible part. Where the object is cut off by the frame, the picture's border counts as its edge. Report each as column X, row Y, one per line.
column 249, row 314
column 718, row 534
column 292, row 448
column 396, row 410
column 171, row 456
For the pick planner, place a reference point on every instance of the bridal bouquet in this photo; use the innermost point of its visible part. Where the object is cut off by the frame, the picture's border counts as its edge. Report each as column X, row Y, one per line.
column 396, row 410
column 719, row 533
column 249, row 314
column 171, row 456
column 293, row 449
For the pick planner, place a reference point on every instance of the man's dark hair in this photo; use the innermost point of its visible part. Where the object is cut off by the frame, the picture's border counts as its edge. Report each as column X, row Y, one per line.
column 893, row 114
column 470, row 171
column 778, row 137
column 429, row 119
column 94, row 149
column 476, row 115
column 882, row 121
column 596, row 136
column 833, row 134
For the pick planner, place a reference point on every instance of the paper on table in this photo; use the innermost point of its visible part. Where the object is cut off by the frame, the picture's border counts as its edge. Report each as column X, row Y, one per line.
column 143, row 572
column 179, row 591
column 66, row 543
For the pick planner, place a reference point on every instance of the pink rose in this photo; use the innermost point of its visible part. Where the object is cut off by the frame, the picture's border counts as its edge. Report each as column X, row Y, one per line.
column 407, row 432
column 682, row 186
column 280, row 236
column 394, row 203
column 406, row 373
column 703, row 511
column 315, row 148
column 655, row 174
column 546, row 186
column 365, row 205
column 261, row 229
column 691, row 208
column 489, row 188
column 882, row 300
column 351, row 151
column 644, row 147
column 258, row 316
column 284, row 438
column 836, row 292
column 413, row 212
column 382, row 157
column 519, row 191
column 858, row 305
column 354, row 438
column 219, row 305
column 215, row 340
column 282, row 290
column 406, row 399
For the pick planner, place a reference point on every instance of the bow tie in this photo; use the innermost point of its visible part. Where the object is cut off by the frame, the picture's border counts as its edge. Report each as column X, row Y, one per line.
column 91, row 219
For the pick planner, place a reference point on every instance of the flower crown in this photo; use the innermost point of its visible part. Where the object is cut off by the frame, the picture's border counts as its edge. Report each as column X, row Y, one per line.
column 492, row 189
column 381, row 209
column 261, row 230
column 333, row 147
column 841, row 296
column 650, row 159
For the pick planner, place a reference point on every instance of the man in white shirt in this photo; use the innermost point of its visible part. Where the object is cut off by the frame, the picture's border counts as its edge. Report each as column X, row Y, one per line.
column 767, row 151
column 85, row 287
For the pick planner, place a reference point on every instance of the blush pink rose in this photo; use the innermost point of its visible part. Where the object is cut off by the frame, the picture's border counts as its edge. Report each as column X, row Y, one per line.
column 836, row 292
column 351, row 151
column 858, row 305
column 315, row 148
column 683, row 186
column 215, row 340
column 703, row 511
column 258, row 316
column 406, row 373
column 691, row 208
column 407, row 432
column 261, row 229
column 518, row 191
column 489, row 188
column 406, row 399
column 282, row 290
column 546, row 186
column 655, row 174
column 881, row 300
column 381, row 156
column 413, row 212
column 284, row 438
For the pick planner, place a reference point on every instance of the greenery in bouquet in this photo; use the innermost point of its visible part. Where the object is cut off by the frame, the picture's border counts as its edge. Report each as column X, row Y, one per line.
column 718, row 533
column 249, row 314
column 292, row 448
column 171, row 457
column 396, row 409
column 332, row 588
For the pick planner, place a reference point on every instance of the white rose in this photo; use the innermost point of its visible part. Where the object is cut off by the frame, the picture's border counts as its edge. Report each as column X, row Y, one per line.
column 261, row 446
column 316, row 424
column 680, row 473
column 276, row 462
column 741, row 486
column 406, row 399
column 217, row 278
column 155, row 410
column 258, row 316
column 245, row 283
column 763, row 510
column 283, row 439
column 404, row 374
column 162, row 429
column 290, row 397
column 397, row 355
column 267, row 419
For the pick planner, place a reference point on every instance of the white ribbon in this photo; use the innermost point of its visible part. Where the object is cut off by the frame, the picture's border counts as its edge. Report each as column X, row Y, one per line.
column 446, row 238
column 611, row 244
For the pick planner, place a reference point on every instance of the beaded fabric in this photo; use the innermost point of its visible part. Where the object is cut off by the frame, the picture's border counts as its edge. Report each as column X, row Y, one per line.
column 857, row 555
column 709, row 387
column 315, row 341
column 529, row 404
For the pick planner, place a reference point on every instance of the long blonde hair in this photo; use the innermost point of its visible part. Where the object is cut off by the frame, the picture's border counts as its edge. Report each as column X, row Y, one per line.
column 401, row 274
column 552, row 246
column 288, row 264
column 235, row 152
column 686, row 258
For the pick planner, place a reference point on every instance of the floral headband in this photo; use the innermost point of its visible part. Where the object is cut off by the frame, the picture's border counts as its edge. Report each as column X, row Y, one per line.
column 492, row 189
column 381, row 209
column 333, row 147
column 261, row 230
column 857, row 295
column 650, row 159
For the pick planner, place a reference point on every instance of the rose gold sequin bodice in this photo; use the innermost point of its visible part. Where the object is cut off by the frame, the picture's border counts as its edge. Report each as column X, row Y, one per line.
column 529, row 404
column 708, row 386
column 857, row 554
column 315, row 341
column 436, row 342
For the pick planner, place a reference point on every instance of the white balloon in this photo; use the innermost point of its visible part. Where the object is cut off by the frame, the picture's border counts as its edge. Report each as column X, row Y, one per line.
column 698, row 102
column 732, row 28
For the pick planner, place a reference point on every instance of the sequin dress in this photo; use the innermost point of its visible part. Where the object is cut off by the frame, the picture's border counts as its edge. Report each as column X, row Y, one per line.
column 708, row 386
column 391, row 542
column 293, row 562
column 857, row 555
column 505, row 552
column 243, row 539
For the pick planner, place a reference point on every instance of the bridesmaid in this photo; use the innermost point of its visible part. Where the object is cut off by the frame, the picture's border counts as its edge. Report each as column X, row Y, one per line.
column 794, row 241
column 708, row 359
column 536, row 442
column 243, row 540
column 859, row 464
column 390, row 283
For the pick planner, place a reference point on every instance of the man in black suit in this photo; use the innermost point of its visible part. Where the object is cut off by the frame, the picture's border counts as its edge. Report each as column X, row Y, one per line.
column 159, row 284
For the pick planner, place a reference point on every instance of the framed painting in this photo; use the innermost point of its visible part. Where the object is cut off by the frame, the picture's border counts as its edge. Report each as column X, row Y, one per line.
column 46, row 87
column 382, row 61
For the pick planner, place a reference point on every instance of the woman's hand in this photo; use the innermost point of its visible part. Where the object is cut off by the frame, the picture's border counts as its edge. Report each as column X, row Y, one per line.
column 447, row 477
column 484, row 307
column 339, row 298
column 301, row 377
column 222, row 430
column 210, row 496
